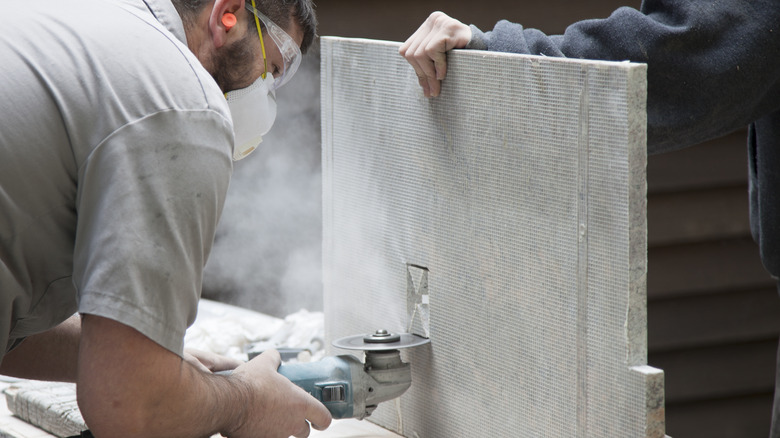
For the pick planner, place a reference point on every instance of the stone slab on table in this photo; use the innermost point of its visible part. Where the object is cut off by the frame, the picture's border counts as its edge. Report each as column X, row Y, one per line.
column 506, row 221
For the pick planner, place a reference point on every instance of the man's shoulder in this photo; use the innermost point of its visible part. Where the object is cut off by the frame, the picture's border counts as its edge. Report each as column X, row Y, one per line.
column 119, row 51
column 151, row 56
column 117, row 67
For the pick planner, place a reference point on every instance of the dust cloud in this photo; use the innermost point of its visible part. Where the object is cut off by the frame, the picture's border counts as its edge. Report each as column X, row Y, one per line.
column 267, row 254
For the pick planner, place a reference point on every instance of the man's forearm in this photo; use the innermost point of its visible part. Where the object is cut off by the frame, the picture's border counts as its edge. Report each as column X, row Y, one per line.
column 130, row 386
column 51, row 355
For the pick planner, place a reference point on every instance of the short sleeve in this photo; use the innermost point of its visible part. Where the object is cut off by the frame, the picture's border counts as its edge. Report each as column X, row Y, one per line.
column 149, row 200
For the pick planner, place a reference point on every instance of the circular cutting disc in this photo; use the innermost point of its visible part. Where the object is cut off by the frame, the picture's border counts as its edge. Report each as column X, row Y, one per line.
column 358, row 342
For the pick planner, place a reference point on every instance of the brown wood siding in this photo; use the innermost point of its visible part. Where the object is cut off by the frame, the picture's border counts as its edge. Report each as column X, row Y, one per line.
column 713, row 311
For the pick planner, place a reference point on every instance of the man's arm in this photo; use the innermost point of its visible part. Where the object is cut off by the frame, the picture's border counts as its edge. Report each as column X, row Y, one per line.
column 708, row 73
column 130, row 386
column 51, row 355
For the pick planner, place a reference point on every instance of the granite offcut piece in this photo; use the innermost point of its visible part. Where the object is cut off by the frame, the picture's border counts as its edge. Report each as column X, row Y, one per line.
column 50, row 406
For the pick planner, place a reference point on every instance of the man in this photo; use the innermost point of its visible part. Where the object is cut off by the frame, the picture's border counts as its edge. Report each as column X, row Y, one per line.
column 713, row 67
column 116, row 144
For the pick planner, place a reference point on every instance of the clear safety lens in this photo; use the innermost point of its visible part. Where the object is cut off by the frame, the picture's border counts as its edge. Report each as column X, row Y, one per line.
column 291, row 52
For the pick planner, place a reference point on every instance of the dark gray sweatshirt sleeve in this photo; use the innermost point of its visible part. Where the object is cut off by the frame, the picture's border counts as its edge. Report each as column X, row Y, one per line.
column 713, row 67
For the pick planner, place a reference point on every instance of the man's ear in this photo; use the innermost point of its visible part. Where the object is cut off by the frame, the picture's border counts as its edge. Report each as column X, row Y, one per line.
column 217, row 28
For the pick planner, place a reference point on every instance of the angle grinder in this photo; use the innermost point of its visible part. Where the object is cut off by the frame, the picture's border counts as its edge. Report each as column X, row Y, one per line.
column 350, row 388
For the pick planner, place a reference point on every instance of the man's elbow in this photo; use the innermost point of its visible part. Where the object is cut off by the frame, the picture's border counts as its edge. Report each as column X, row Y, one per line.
column 109, row 412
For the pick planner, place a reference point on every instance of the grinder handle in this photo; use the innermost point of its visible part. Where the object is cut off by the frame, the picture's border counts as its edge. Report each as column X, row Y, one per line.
column 328, row 380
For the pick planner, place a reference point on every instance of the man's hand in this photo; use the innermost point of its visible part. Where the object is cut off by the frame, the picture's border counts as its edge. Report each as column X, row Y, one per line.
column 426, row 50
column 209, row 362
column 279, row 408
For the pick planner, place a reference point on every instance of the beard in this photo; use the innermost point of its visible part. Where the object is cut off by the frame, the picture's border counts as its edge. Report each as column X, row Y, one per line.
column 233, row 64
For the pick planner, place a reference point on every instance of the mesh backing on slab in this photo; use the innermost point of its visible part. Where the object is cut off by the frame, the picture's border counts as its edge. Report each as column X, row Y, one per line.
column 511, row 212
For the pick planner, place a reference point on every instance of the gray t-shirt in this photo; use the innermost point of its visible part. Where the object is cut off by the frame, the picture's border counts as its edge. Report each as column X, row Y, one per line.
column 115, row 158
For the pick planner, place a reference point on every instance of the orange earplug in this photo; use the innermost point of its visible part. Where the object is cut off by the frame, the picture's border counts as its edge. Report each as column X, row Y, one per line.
column 229, row 20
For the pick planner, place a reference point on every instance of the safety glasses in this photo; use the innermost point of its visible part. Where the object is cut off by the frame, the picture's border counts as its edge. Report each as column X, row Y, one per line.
column 291, row 53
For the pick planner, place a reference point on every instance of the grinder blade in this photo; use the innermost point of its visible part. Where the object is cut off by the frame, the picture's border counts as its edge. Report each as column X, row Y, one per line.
column 379, row 341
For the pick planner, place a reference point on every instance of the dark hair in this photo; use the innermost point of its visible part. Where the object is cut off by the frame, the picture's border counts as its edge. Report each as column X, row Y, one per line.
column 302, row 11
column 279, row 11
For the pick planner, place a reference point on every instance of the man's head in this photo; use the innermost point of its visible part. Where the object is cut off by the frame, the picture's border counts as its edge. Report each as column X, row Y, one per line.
column 233, row 55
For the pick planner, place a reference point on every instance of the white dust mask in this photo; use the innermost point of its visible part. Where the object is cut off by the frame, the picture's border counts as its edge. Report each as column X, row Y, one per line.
column 253, row 110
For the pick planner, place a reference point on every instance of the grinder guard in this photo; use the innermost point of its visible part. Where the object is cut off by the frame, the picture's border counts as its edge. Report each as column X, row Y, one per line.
column 351, row 389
